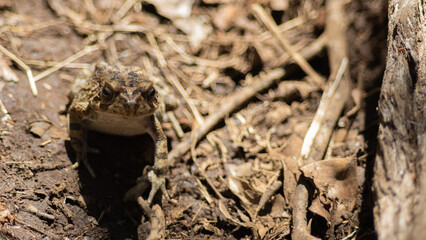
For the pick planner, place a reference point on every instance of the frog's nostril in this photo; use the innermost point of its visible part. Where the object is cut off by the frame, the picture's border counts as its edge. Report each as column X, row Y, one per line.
column 131, row 103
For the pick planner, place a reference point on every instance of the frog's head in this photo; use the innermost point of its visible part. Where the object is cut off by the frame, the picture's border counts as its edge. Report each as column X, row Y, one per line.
column 125, row 91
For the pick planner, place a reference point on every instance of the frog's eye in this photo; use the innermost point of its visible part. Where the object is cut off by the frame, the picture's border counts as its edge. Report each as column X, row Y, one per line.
column 151, row 93
column 107, row 93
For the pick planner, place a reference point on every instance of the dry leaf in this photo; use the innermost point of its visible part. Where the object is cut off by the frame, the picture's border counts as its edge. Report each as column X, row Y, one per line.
column 39, row 128
column 237, row 188
column 243, row 217
column 337, row 178
column 261, row 230
column 278, row 207
column 318, row 207
column 241, row 170
column 224, row 211
column 337, row 182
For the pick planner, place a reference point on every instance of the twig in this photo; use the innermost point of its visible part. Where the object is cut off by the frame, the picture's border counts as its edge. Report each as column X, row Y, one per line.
column 63, row 207
column 196, row 213
column 358, row 97
column 267, row 195
column 31, row 208
column 203, row 190
column 175, row 123
column 351, row 235
column 112, row 28
column 267, row 20
column 30, row 28
column 112, row 49
column 53, row 63
column 91, row 9
column 123, row 10
column 316, row 46
column 24, row 66
column 320, row 116
column 300, row 206
column 290, row 24
column 70, row 59
column 236, row 100
column 333, row 101
column 156, row 218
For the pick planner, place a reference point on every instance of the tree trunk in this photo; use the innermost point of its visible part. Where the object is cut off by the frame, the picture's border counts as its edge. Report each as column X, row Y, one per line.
column 400, row 168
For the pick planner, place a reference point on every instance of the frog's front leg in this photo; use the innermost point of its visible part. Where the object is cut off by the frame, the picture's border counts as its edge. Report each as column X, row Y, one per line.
column 161, row 165
column 78, row 138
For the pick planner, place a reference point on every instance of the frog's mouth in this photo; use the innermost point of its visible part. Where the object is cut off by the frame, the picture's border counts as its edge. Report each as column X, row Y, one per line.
column 137, row 109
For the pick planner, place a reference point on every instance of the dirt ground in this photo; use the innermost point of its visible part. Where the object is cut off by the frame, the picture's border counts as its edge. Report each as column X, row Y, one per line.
column 239, row 180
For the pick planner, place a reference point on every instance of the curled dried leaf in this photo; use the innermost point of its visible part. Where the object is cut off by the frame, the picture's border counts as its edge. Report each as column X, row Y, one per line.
column 337, row 179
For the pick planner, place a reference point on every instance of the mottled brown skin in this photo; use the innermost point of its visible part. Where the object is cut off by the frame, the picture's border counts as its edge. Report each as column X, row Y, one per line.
column 122, row 101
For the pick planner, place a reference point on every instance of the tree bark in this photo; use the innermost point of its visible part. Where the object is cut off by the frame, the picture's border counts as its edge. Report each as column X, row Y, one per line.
column 400, row 167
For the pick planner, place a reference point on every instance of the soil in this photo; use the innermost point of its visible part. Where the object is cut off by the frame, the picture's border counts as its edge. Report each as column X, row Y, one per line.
column 43, row 197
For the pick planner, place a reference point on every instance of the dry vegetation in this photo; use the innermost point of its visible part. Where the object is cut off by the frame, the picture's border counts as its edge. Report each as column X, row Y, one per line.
column 268, row 142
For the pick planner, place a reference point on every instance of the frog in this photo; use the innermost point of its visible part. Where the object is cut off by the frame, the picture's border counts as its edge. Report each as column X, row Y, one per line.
column 118, row 100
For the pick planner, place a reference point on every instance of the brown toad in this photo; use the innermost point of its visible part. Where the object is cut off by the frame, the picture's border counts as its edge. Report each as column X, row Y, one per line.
column 121, row 101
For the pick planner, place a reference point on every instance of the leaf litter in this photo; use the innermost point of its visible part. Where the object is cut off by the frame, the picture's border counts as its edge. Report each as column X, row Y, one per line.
column 248, row 88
